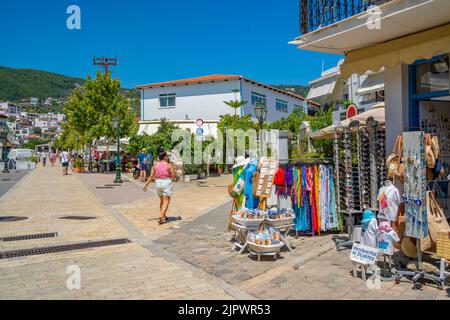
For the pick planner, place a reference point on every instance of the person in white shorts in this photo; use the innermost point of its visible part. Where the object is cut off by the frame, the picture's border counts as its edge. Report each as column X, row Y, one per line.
column 163, row 173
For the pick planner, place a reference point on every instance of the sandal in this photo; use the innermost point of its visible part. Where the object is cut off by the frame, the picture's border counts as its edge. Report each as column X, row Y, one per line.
column 162, row 221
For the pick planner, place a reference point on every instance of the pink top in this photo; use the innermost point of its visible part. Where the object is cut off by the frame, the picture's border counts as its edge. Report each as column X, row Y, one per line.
column 162, row 170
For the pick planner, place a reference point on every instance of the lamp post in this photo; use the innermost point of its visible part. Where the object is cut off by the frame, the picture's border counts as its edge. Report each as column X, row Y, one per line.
column 261, row 114
column 116, row 125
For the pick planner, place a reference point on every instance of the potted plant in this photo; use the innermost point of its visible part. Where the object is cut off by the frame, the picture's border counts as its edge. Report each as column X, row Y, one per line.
column 78, row 166
column 220, row 168
column 190, row 172
column 130, row 167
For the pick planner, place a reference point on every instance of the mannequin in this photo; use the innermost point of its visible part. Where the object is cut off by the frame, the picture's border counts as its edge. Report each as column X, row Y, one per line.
column 389, row 199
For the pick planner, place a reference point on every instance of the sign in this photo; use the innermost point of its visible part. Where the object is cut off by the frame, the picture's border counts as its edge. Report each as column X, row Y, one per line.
column 351, row 111
column 199, row 131
column 199, row 122
column 363, row 254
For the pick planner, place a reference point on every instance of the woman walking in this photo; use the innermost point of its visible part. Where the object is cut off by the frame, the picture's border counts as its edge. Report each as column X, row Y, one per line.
column 163, row 173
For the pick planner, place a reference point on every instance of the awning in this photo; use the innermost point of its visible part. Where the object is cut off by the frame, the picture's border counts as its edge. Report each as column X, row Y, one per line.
column 377, row 112
column 421, row 45
column 373, row 83
column 321, row 90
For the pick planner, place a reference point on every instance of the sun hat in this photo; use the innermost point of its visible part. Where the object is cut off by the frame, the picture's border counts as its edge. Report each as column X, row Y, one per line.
column 385, row 226
column 240, row 161
column 409, row 248
column 367, row 216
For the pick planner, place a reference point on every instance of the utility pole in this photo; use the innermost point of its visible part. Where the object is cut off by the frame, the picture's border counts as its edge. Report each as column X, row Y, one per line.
column 105, row 62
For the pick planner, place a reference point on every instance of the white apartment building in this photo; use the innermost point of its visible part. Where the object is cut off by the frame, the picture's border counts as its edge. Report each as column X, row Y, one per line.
column 187, row 100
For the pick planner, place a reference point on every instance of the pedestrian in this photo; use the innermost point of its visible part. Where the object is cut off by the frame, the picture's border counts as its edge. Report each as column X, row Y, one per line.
column 53, row 157
column 142, row 156
column 64, row 158
column 163, row 173
column 44, row 156
column 149, row 162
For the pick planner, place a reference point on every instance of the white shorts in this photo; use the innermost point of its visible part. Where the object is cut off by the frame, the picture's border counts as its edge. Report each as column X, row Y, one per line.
column 164, row 187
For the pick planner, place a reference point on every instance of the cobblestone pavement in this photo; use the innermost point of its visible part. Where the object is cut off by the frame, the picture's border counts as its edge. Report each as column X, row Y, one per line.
column 191, row 258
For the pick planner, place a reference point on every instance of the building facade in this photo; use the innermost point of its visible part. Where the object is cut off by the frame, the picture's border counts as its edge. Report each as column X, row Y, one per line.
column 187, row 100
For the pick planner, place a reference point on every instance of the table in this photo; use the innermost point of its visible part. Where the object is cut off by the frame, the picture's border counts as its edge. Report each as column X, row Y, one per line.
column 241, row 233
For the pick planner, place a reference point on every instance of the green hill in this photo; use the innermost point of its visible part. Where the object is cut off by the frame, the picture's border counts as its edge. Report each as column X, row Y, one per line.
column 299, row 89
column 16, row 84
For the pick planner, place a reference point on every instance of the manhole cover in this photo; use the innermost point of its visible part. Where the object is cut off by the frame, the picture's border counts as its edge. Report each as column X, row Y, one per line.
column 12, row 219
column 78, row 218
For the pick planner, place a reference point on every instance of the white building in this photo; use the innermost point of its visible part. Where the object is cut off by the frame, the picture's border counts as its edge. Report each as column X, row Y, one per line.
column 184, row 101
column 331, row 88
column 31, row 101
column 410, row 39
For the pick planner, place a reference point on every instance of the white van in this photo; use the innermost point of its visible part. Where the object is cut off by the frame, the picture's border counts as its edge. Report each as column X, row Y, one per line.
column 20, row 154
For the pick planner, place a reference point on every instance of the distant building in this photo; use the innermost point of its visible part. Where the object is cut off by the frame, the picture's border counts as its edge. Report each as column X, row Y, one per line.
column 186, row 100
column 31, row 101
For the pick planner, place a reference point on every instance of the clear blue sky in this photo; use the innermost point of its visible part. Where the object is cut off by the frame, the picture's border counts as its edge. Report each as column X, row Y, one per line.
column 158, row 40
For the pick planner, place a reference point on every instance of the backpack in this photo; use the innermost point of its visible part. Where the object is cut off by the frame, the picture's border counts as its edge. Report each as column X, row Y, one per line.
column 278, row 179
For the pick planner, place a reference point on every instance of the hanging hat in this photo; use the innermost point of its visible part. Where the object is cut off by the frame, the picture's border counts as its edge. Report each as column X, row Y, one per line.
column 385, row 226
column 241, row 161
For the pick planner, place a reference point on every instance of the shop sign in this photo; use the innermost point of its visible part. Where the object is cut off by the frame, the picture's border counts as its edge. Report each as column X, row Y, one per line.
column 363, row 254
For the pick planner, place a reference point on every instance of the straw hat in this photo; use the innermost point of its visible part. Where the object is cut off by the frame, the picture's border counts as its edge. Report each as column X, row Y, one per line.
column 241, row 161
column 409, row 248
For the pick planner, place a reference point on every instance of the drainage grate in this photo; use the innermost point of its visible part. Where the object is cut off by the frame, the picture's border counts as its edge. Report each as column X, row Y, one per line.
column 113, row 185
column 104, row 187
column 30, row 237
column 12, row 219
column 78, row 218
column 6, row 179
column 63, row 248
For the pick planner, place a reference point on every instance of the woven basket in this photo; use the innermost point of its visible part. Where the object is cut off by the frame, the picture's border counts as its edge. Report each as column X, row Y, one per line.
column 280, row 222
column 256, row 248
column 443, row 245
column 249, row 223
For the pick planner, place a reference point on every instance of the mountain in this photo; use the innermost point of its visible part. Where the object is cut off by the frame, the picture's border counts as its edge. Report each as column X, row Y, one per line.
column 299, row 89
column 16, row 84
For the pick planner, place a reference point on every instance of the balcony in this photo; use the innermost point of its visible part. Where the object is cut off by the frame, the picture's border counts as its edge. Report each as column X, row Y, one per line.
column 316, row 14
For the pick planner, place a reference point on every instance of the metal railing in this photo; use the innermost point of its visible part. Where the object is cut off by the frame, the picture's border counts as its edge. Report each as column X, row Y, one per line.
column 316, row 14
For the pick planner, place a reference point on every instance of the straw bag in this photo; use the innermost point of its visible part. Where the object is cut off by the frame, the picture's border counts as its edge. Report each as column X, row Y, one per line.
column 409, row 248
column 399, row 226
column 437, row 222
column 435, row 146
column 429, row 154
column 394, row 160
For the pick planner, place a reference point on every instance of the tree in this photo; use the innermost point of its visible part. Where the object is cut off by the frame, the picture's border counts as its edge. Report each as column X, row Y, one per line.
column 90, row 110
column 37, row 130
column 235, row 104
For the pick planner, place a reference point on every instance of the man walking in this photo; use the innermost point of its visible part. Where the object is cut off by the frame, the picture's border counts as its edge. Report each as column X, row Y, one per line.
column 44, row 156
column 64, row 158
column 142, row 156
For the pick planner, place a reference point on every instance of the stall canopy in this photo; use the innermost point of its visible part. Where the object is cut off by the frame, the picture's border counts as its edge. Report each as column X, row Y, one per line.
column 421, row 45
column 373, row 83
column 377, row 112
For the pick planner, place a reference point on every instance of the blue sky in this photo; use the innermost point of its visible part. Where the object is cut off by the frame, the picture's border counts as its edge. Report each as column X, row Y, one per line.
column 159, row 40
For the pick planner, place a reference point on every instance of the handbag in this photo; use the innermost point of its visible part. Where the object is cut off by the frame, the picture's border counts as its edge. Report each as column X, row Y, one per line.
column 393, row 159
column 437, row 222
column 429, row 154
column 435, row 146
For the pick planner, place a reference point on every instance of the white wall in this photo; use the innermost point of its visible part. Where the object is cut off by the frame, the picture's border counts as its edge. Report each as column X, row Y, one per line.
column 151, row 127
column 198, row 101
column 396, row 98
column 271, row 96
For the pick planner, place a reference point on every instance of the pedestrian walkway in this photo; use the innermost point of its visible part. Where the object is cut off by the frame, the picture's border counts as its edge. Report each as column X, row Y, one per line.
column 124, row 271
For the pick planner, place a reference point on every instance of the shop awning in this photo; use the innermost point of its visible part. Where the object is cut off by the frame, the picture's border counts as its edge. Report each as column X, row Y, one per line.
column 321, row 89
column 373, row 83
column 377, row 112
column 421, row 45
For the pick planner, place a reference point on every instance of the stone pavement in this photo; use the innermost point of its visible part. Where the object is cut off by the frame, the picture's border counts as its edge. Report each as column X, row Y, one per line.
column 189, row 258
column 9, row 180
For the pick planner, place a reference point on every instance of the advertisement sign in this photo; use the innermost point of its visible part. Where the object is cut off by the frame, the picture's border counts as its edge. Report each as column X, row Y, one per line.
column 363, row 254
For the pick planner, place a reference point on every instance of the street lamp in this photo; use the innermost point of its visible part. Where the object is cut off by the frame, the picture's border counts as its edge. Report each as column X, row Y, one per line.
column 261, row 114
column 116, row 125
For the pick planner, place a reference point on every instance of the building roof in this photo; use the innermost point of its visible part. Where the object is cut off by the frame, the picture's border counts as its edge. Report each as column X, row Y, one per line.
column 220, row 77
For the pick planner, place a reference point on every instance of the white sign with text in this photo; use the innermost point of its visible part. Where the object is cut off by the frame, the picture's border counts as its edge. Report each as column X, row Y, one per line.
column 363, row 254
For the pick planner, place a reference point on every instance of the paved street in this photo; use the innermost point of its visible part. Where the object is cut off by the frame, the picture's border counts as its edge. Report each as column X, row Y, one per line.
column 192, row 257
column 9, row 180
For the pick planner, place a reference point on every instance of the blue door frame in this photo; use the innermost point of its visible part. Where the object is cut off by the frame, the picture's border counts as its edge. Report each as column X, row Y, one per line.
column 414, row 98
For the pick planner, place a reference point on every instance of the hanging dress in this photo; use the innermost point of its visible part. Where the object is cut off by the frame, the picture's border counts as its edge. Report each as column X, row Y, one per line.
column 317, row 196
column 238, row 173
column 251, row 202
column 303, row 221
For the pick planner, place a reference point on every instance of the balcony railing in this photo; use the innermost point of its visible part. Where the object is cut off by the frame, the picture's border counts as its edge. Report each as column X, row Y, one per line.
column 316, row 14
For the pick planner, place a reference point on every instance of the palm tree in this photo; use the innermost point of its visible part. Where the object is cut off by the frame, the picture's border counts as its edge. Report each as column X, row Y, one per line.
column 236, row 104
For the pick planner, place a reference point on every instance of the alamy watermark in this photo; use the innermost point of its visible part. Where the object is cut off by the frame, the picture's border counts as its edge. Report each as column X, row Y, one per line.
column 73, row 22
column 226, row 146
column 373, row 17
column 73, row 282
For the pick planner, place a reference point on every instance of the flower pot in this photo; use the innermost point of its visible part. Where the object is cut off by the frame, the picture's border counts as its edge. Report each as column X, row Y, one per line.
column 190, row 177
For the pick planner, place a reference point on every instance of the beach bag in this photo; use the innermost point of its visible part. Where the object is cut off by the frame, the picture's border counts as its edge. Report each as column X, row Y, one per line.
column 435, row 146
column 437, row 222
column 279, row 177
column 394, row 159
column 429, row 154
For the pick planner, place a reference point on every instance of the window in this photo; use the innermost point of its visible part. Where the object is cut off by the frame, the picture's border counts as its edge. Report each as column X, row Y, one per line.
column 281, row 105
column 256, row 97
column 432, row 76
column 167, row 100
